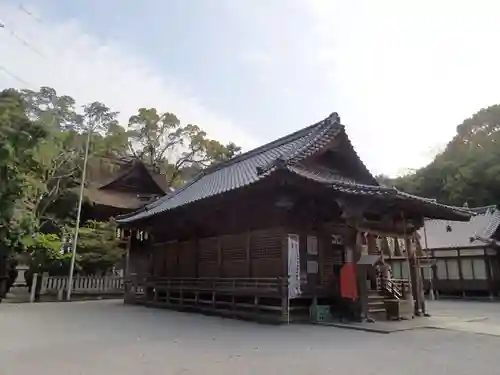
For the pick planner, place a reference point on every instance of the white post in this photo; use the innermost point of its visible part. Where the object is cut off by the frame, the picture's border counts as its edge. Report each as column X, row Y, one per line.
column 44, row 282
column 33, row 288
column 288, row 309
column 77, row 227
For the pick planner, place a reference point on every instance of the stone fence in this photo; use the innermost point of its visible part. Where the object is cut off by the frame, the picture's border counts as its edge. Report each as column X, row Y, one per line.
column 81, row 285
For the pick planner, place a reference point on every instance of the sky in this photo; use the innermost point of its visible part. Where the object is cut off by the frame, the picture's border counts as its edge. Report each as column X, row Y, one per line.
column 401, row 74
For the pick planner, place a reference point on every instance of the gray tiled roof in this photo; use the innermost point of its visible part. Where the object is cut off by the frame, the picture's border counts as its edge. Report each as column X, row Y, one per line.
column 286, row 154
column 341, row 185
column 483, row 225
column 132, row 164
column 247, row 168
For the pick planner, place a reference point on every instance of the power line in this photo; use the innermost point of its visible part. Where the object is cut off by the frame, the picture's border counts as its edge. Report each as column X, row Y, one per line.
column 12, row 75
column 21, row 39
column 26, row 11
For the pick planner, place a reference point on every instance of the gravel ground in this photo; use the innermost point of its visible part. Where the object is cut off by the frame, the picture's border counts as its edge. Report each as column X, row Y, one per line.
column 106, row 338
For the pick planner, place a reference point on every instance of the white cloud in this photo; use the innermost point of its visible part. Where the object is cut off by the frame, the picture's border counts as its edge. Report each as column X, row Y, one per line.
column 408, row 72
column 67, row 58
column 257, row 57
column 402, row 74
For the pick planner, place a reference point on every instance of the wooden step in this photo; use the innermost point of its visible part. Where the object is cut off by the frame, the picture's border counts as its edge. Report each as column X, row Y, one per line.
column 376, row 298
column 375, row 310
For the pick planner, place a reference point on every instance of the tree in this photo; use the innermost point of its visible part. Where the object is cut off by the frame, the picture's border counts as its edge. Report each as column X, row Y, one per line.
column 107, row 140
column 19, row 140
column 98, row 248
column 47, row 255
column 60, row 156
column 152, row 134
column 384, row 180
column 59, row 165
column 161, row 141
column 42, row 146
column 53, row 111
column 468, row 170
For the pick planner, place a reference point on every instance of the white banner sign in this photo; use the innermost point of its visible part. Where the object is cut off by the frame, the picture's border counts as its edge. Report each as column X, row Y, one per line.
column 293, row 266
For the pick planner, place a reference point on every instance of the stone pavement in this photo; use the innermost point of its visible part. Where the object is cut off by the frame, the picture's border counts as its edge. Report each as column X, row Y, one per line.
column 483, row 328
column 106, row 337
column 405, row 325
column 458, row 316
column 472, row 317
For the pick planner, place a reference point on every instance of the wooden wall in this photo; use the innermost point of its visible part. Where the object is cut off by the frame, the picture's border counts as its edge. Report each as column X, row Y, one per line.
column 331, row 258
column 139, row 262
column 267, row 252
column 257, row 253
column 208, row 258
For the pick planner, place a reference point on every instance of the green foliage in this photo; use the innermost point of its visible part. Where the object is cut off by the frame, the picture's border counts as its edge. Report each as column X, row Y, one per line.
column 158, row 139
column 19, row 141
column 468, row 170
column 98, row 248
column 46, row 255
column 42, row 146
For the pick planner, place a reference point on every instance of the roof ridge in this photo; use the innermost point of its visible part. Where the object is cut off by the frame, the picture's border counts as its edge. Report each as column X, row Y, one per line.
column 321, row 131
column 483, row 210
column 117, row 176
column 260, row 149
column 136, row 163
column 315, row 141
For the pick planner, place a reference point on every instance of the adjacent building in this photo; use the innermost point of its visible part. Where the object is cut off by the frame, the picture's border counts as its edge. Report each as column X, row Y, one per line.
column 131, row 186
column 464, row 255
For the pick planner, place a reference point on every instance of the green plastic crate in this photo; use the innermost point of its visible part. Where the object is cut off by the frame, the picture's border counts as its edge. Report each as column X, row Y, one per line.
column 320, row 313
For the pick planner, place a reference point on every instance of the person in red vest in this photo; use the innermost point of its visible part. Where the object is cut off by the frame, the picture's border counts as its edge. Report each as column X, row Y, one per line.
column 348, row 283
column 349, row 290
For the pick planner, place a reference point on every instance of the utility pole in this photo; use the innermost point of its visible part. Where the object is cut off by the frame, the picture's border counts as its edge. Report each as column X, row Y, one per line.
column 79, row 212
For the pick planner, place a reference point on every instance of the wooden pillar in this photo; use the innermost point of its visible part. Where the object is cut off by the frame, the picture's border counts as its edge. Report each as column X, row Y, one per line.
column 416, row 280
column 219, row 257
column 248, row 253
column 460, row 273
column 489, row 274
column 495, row 262
column 410, row 297
column 311, row 240
column 196, row 259
column 127, row 254
column 127, row 284
column 284, row 272
column 323, row 243
column 360, row 272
